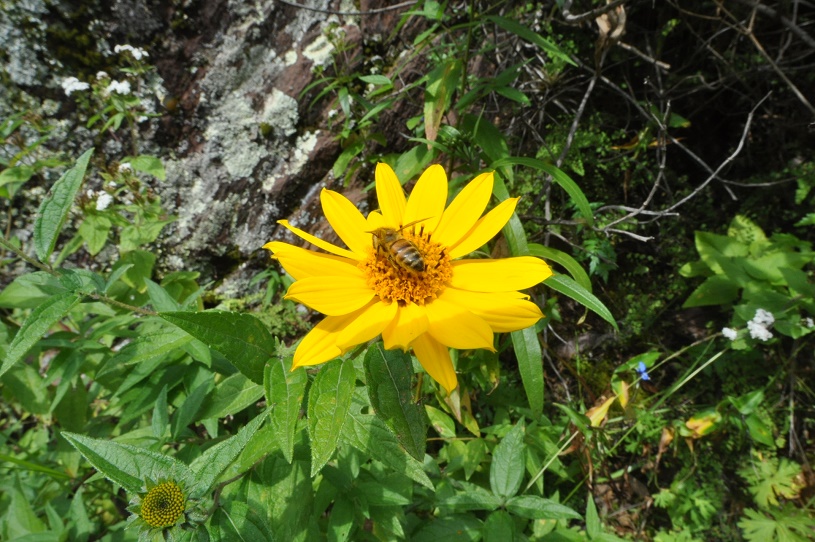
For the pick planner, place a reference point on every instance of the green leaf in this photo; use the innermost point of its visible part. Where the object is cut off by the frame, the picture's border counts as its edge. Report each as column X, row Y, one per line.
column 715, row 290
column 232, row 395
column 531, row 36
column 236, row 521
column 499, row 527
column 441, row 422
column 29, row 290
column 341, row 520
column 147, row 164
column 159, row 298
column 388, row 374
column 560, row 178
column 571, row 289
column 593, row 525
column 55, row 207
column 139, row 265
column 161, row 415
column 128, row 465
column 570, row 264
column 185, row 414
column 453, row 528
column 376, row 79
column 370, row 435
column 530, row 364
column 534, row 507
column 38, row 322
column 95, row 230
column 285, row 390
column 212, row 463
column 152, row 343
column 470, row 500
column 241, row 338
column 328, row 402
column 507, row 469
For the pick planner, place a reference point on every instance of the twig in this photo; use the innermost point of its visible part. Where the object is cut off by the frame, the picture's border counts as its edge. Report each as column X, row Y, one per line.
column 727, row 160
column 23, row 256
column 794, row 28
column 593, row 14
column 349, row 13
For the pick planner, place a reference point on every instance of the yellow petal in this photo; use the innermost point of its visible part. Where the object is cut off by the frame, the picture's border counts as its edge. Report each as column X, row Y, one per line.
column 503, row 311
column 320, row 344
column 464, row 210
column 598, row 414
column 346, row 220
column 499, row 275
column 427, row 199
column 410, row 322
column 435, row 358
column 390, row 195
column 325, row 245
column 485, row 229
column 301, row 263
column 374, row 318
column 454, row 326
column 331, row 295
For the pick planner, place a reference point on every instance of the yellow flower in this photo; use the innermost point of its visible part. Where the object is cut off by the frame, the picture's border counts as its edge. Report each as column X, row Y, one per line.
column 366, row 291
column 163, row 505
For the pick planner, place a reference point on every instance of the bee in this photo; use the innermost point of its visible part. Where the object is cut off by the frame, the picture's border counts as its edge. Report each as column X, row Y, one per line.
column 401, row 252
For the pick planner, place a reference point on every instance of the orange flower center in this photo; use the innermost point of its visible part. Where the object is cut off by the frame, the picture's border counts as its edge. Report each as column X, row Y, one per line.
column 406, row 266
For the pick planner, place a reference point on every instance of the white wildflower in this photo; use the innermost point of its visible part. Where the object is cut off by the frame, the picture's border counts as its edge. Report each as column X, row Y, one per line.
column 758, row 331
column 103, row 201
column 120, row 87
column 136, row 52
column 102, row 75
column 809, row 322
column 730, row 333
column 125, row 166
column 72, row 84
column 763, row 317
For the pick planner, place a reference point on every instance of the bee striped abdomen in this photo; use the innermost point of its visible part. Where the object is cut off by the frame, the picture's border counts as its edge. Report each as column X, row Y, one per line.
column 407, row 256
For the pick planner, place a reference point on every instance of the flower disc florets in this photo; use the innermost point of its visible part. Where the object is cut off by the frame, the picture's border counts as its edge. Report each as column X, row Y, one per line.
column 394, row 283
column 163, row 505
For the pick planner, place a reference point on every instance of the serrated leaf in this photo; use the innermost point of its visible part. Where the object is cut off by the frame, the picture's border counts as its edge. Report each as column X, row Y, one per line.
column 470, row 500
column 151, row 344
column 38, row 322
column 370, row 435
column 328, row 402
column 571, row 289
column 241, row 338
column 715, row 290
column 507, row 468
column 232, row 395
column 534, row 507
column 388, row 374
column 284, row 394
column 212, row 463
column 55, row 207
column 29, row 290
column 161, row 415
column 128, row 465
column 236, row 521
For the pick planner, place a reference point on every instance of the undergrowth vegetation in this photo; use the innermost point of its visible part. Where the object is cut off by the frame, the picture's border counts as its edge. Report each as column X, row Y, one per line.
column 666, row 393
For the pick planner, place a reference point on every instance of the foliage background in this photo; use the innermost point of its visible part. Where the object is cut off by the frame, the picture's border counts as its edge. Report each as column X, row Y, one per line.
column 694, row 118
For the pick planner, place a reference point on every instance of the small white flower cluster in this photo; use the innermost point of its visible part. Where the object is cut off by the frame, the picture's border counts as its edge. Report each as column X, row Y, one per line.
column 119, row 87
column 125, row 166
column 103, row 199
column 758, row 326
column 136, row 52
column 72, row 84
column 809, row 322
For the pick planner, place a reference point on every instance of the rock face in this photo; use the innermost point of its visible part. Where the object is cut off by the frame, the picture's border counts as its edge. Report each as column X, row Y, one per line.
column 241, row 143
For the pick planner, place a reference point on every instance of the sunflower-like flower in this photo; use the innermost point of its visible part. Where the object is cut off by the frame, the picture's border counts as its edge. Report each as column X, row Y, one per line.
column 163, row 510
column 402, row 275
